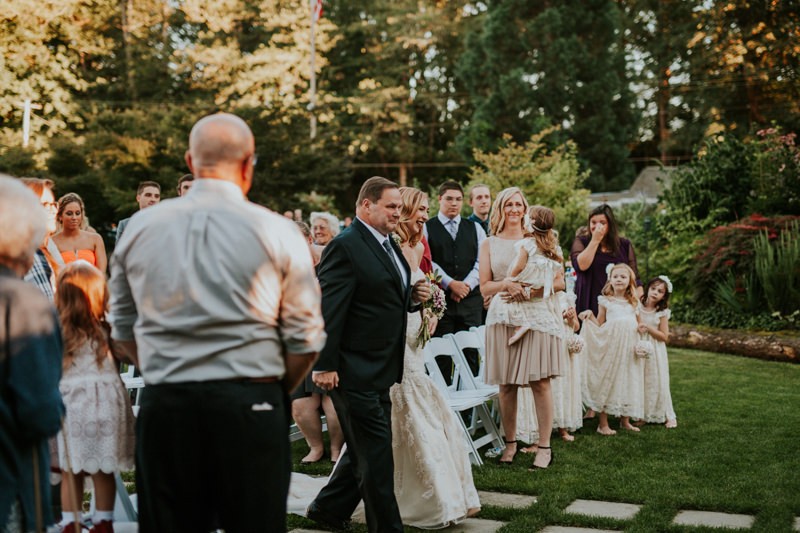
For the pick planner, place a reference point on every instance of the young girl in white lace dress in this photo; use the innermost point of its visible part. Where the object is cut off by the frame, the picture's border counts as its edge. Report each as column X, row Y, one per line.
column 654, row 316
column 614, row 382
column 567, row 402
column 536, row 267
column 97, row 437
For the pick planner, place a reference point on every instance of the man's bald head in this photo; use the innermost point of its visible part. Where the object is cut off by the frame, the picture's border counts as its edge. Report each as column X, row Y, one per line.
column 221, row 146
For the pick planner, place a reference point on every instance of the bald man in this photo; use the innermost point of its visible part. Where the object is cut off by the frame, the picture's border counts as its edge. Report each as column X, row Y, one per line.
column 226, row 308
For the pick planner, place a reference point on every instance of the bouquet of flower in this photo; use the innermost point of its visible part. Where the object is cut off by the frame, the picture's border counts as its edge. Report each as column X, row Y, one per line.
column 575, row 344
column 432, row 307
column 643, row 349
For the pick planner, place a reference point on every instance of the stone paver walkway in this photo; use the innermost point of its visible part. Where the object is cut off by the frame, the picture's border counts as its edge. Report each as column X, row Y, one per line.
column 618, row 511
column 471, row 525
column 709, row 519
column 797, row 523
column 565, row 529
column 500, row 499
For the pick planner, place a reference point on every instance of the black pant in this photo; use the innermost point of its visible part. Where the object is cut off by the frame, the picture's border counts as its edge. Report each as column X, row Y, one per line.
column 366, row 469
column 213, row 454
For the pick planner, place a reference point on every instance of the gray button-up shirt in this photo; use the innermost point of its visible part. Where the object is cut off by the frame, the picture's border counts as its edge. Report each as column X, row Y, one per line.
column 212, row 287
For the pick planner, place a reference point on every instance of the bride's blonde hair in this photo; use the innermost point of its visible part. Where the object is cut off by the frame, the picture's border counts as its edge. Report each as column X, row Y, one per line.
column 412, row 199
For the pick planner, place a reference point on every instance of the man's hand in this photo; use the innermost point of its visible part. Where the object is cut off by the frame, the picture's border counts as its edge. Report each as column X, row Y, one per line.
column 458, row 290
column 421, row 291
column 326, row 380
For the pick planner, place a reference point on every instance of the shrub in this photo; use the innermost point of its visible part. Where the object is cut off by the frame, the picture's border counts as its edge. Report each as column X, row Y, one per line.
column 548, row 175
column 749, row 269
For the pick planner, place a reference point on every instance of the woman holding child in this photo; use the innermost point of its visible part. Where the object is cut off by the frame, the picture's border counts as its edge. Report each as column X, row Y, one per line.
column 523, row 352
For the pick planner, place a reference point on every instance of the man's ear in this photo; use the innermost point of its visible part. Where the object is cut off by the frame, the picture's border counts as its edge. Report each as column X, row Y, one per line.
column 188, row 158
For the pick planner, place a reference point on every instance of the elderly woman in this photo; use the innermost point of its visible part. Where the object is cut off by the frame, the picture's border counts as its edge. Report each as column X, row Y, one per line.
column 592, row 253
column 47, row 260
column 525, row 363
column 324, row 227
column 73, row 242
column 30, row 366
column 307, row 400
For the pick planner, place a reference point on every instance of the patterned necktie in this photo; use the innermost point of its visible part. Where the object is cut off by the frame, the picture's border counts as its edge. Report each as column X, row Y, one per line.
column 388, row 248
column 452, row 227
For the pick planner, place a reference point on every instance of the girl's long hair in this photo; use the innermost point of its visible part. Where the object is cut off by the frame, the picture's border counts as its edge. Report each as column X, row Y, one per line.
column 542, row 220
column 412, row 199
column 664, row 303
column 611, row 239
column 82, row 300
column 630, row 290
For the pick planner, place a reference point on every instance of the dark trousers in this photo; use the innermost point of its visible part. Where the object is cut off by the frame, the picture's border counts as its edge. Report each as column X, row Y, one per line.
column 213, row 455
column 366, row 469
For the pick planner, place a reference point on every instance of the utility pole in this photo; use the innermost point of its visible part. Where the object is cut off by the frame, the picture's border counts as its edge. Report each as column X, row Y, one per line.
column 316, row 9
column 26, row 120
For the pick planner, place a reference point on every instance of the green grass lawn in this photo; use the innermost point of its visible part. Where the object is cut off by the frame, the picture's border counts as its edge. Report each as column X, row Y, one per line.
column 735, row 450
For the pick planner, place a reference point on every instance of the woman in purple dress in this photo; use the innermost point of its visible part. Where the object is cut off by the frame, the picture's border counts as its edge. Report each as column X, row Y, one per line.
column 591, row 253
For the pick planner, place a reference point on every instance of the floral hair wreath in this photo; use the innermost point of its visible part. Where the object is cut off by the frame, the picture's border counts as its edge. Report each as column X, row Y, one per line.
column 527, row 223
column 667, row 282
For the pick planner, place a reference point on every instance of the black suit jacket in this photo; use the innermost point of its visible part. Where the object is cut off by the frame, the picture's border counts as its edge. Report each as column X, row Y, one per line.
column 365, row 307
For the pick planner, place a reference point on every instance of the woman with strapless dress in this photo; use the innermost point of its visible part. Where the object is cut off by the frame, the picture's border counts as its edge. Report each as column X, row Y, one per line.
column 74, row 243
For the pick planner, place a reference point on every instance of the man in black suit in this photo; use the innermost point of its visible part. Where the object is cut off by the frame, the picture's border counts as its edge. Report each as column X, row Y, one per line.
column 454, row 243
column 365, row 300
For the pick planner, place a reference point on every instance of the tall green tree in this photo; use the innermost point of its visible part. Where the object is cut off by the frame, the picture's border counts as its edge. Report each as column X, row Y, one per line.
column 532, row 64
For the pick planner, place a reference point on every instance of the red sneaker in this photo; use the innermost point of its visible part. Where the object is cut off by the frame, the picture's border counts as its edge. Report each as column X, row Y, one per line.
column 104, row 526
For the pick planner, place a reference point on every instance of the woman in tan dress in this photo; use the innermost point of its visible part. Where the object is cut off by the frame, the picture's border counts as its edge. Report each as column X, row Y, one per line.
column 530, row 361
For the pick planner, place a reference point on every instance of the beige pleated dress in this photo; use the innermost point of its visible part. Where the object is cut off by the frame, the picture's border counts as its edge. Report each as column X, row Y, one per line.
column 541, row 353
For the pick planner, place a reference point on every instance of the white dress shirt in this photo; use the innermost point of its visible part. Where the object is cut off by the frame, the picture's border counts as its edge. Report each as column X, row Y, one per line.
column 473, row 278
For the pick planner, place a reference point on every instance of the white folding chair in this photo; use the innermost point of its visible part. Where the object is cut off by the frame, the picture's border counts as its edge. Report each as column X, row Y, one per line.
column 134, row 386
column 462, row 396
column 480, row 333
column 470, row 339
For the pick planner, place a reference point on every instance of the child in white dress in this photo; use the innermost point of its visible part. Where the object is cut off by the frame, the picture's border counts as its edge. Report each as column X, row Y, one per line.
column 614, row 381
column 654, row 316
column 97, row 437
column 567, row 403
column 536, row 267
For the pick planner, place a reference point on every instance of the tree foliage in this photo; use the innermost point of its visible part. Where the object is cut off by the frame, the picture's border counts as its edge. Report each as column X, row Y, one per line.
column 547, row 172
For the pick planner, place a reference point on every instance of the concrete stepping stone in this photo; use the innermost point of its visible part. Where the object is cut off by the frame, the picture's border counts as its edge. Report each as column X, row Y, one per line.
column 565, row 529
column 797, row 523
column 475, row 525
column 126, row 527
column 709, row 519
column 501, row 499
column 470, row 525
column 617, row 511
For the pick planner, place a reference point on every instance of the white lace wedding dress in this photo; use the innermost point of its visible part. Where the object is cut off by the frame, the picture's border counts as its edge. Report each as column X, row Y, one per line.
column 432, row 474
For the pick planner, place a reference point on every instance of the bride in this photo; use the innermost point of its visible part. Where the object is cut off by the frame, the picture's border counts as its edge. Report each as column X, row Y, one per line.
column 432, row 474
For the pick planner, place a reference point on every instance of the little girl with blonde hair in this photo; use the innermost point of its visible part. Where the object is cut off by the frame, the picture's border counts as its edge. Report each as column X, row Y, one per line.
column 614, row 382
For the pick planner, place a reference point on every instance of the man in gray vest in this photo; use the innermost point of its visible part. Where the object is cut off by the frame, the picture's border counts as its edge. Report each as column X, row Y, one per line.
column 454, row 243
